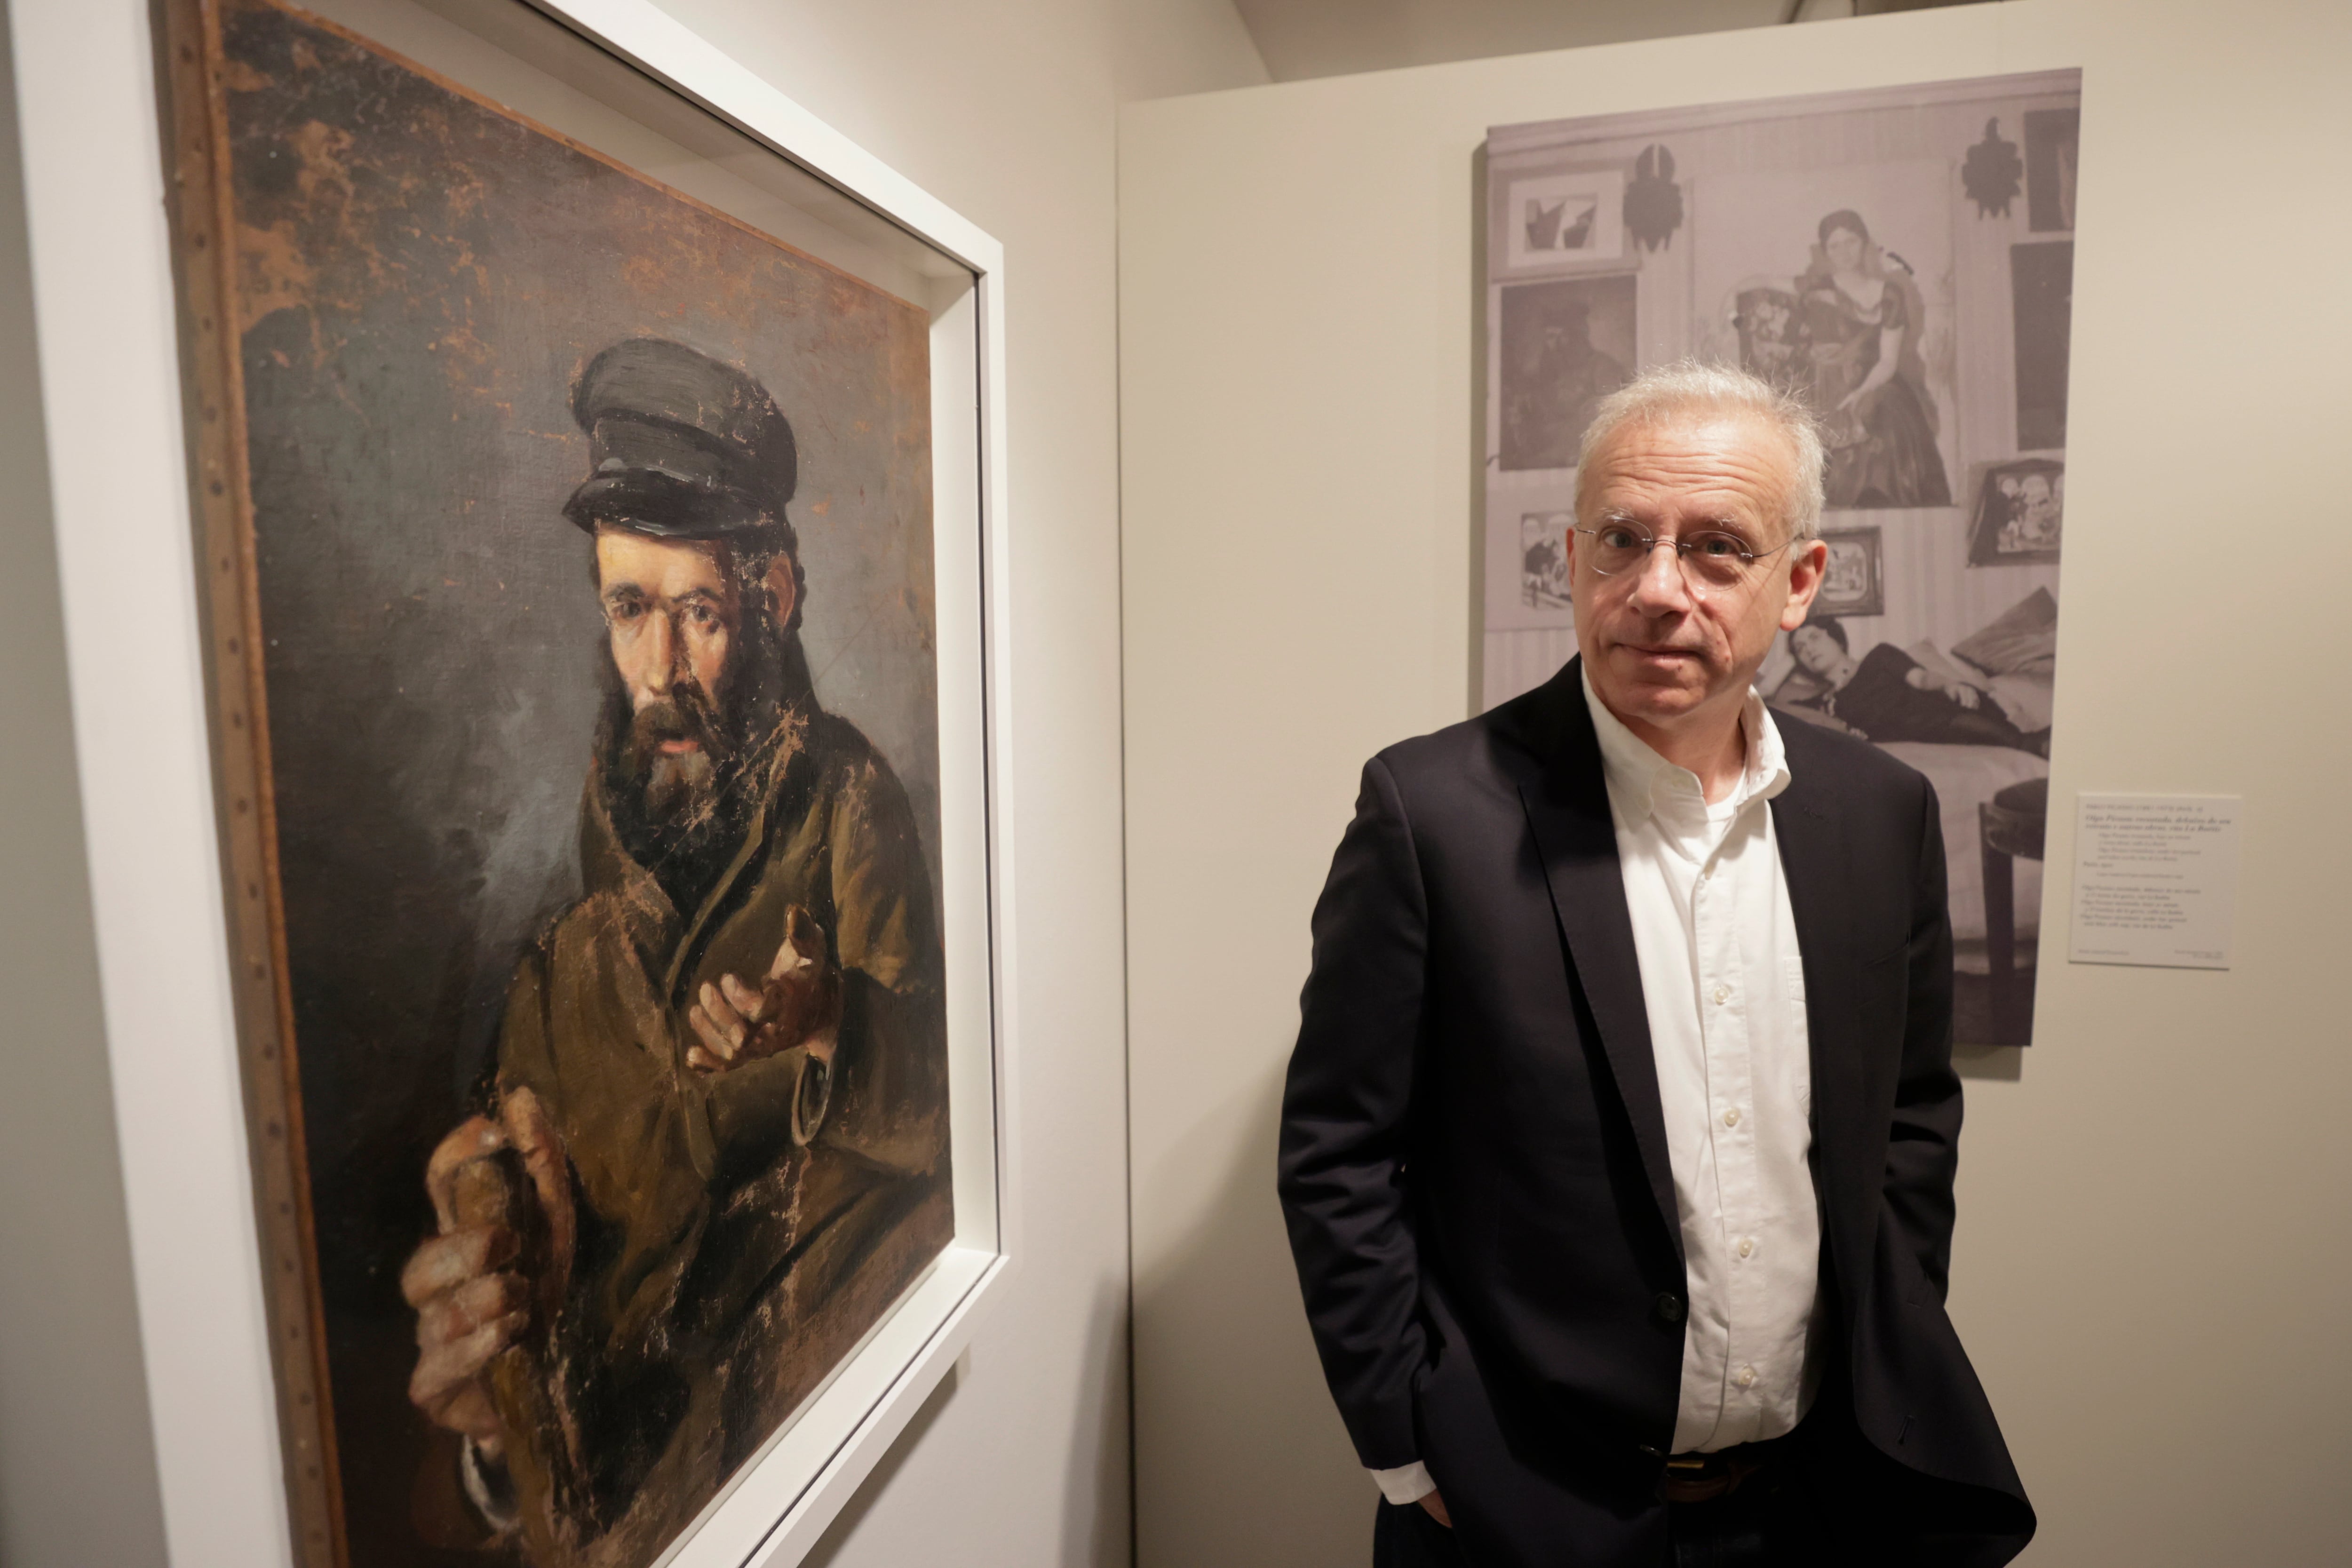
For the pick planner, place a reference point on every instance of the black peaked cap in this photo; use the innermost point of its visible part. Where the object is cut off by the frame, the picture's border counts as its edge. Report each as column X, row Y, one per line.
column 681, row 445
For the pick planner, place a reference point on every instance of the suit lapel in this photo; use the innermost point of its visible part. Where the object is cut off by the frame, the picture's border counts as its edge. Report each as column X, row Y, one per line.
column 1567, row 802
column 1814, row 859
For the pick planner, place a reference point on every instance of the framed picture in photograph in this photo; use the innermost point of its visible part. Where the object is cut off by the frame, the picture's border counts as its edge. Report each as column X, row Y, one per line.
column 1837, row 283
column 2042, row 283
column 2020, row 513
column 1855, row 581
column 1565, row 345
column 1543, row 559
column 591, row 494
column 2052, row 149
column 1557, row 219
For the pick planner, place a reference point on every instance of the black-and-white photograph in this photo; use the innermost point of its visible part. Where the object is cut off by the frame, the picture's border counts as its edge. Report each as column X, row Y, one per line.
column 1901, row 261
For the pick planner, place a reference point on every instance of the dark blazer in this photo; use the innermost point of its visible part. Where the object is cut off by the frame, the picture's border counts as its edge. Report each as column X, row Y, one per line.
column 1474, row 1156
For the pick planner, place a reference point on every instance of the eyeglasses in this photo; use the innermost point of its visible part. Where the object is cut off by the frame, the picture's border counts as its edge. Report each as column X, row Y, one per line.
column 1710, row 559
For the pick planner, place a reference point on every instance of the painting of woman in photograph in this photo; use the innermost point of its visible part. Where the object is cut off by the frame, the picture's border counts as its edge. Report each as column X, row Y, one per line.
column 1859, row 316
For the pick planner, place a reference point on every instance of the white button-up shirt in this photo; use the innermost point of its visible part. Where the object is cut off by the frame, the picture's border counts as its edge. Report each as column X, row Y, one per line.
column 1725, row 992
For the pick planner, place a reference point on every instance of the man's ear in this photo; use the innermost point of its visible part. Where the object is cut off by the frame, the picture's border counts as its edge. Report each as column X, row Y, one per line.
column 783, row 590
column 1807, row 565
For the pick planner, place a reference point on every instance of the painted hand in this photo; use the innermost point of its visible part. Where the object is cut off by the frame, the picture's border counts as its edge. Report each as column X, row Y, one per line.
column 1436, row 1506
column 470, row 1301
column 501, row 1193
column 799, row 1004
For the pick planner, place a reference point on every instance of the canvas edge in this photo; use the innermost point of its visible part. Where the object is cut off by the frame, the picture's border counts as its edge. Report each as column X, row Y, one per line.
column 105, row 303
column 190, row 89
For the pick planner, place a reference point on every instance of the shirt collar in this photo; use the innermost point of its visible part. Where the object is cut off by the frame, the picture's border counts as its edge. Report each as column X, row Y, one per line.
column 1641, row 782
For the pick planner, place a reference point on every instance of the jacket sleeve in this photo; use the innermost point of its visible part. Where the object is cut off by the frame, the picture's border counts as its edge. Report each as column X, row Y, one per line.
column 1923, row 1147
column 1344, row 1126
column 888, row 1099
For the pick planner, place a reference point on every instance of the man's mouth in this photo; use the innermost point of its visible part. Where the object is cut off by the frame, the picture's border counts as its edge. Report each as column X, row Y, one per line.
column 678, row 747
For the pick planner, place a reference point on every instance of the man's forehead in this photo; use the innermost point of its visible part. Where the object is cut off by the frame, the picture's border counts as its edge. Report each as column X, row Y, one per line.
column 1728, row 466
column 672, row 564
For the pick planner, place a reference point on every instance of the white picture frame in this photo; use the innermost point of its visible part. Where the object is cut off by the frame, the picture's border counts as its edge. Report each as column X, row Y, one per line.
column 111, row 382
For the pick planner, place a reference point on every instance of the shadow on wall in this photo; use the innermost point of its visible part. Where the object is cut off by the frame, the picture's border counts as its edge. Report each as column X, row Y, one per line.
column 1996, row 1063
column 1097, row 1492
column 845, row 1524
column 1241, row 1459
column 1095, row 1487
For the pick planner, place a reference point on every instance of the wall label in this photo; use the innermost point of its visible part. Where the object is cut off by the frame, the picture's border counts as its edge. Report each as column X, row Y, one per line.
column 2155, row 879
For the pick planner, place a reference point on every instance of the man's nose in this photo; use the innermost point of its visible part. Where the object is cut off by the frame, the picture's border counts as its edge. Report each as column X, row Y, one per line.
column 1658, row 585
column 662, row 649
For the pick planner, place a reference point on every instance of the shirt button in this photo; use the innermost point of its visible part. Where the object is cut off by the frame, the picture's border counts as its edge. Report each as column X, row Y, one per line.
column 1746, row 1246
column 1746, row 1378
column 1722, row 994
column 1731, row 1117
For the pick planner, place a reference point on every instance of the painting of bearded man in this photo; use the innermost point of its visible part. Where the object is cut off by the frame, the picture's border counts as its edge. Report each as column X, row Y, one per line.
column 721, row 1079
column 581, row 652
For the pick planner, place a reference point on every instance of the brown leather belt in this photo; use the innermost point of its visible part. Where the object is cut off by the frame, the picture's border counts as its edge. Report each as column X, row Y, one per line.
column 1702, row 1478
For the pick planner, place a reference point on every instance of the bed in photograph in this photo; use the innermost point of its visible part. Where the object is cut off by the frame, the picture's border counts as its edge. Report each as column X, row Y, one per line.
column 2010, row 661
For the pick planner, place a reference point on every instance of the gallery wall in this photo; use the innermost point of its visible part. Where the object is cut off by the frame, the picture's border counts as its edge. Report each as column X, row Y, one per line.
column 2152, row 1254
column 76, row 1464
column 1007, row 113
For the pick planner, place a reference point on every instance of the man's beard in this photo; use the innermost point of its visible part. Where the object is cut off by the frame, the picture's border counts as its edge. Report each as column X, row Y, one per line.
column 681, row 814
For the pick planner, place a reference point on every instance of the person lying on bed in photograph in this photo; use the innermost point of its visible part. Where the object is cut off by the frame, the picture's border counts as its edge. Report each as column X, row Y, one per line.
column 1886, row 695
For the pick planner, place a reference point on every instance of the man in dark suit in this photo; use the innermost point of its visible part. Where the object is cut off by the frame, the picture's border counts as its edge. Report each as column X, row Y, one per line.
column 1619, row 1141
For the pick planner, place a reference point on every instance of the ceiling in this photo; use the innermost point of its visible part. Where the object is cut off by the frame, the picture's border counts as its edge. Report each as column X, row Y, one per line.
column 1332, row 37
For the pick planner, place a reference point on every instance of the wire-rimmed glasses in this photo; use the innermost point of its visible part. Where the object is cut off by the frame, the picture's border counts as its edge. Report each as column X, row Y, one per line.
column 1710, row 557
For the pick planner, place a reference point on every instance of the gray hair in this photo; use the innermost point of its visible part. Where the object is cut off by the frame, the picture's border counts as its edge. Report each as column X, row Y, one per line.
column 1672, row 394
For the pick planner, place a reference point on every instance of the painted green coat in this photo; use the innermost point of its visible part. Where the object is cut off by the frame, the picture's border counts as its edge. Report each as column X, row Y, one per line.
column 737, row 1232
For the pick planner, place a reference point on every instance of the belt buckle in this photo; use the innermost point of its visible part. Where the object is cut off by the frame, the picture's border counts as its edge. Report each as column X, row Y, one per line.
column 1696, row 1477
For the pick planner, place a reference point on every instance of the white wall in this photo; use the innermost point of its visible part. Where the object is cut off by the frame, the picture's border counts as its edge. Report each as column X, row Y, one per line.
column 1006, row 111
column 2154, row 1253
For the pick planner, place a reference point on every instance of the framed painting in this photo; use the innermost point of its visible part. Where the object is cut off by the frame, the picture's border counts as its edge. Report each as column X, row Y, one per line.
column 597, row 573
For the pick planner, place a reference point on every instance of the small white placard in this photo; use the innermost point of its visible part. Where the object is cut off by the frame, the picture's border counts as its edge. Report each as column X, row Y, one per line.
column 2155, row 879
